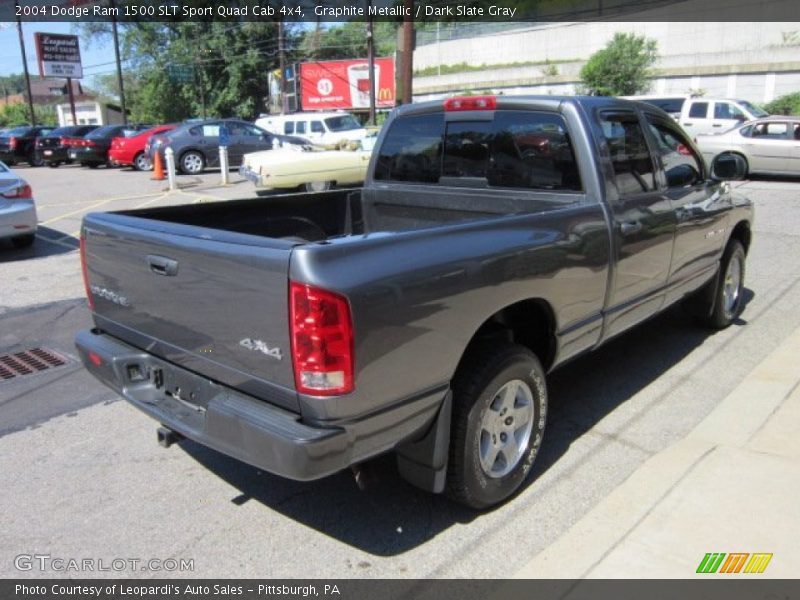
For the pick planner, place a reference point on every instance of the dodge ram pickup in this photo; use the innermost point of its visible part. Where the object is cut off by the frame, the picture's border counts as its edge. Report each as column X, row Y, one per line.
column 494, row 239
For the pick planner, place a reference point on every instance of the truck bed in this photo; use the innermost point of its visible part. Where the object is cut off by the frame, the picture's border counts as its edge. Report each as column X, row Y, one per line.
column 316, row 217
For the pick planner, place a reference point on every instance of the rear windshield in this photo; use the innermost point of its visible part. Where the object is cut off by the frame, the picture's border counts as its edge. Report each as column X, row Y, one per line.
column 18, row 131
column 65, row 131
column 517, row 149
column 103, row 132
column 343, row 123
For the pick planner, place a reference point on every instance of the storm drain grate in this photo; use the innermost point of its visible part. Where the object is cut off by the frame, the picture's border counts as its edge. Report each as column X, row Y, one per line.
column 28, row 362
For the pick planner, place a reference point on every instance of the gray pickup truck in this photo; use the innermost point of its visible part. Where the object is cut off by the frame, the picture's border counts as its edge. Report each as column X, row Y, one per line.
column 494, row 239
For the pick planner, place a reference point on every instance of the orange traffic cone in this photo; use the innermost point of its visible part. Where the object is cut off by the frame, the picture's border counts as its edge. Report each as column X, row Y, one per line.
column 158, row 168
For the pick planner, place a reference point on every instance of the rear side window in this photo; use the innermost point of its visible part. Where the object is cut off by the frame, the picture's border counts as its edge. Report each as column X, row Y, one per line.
column 300, row 127
column 698, row 110
column 517, row 149
column 412, row 150
column 288, row 127
column 630, row 156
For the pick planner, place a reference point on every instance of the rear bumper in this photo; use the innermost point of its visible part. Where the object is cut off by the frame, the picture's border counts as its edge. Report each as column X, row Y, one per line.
column 18, row 218
column 251, row 430
column 120, row 158
column 88, row 155
column 49, row 155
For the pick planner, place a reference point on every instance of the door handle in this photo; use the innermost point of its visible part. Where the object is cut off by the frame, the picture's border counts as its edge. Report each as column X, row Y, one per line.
column 161, row 265
column 630, row 227
column 717, row 125
column 689, row 123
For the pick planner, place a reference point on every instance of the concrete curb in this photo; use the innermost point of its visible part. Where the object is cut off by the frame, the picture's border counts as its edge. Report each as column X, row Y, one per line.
column 725, row 487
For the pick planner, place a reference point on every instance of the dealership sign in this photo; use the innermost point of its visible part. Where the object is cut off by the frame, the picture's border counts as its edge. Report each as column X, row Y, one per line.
column 59, row 55
column 345, row 84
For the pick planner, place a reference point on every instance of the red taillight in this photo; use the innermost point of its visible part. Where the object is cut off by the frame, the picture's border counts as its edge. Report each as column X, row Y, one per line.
column 322, row 341
column 12, row 143
column 88, row 143
column 470, row 103
column 63, row 141
column 85, row 273
column 95, row 359
column 20, row 192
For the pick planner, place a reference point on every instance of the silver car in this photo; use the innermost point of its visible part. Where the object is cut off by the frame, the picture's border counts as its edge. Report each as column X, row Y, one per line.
column 770, row 145
column 17, row 209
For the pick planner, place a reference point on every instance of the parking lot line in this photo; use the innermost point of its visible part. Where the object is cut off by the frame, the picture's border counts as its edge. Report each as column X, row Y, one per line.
column 96, row 204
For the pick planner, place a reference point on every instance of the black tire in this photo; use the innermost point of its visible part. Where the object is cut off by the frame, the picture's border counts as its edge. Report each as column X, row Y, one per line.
column 484, row 373
column 53, row 165
column 91, row 165
column 728, row 288
column 23, row 241
column 192, row 163
column 35, row 162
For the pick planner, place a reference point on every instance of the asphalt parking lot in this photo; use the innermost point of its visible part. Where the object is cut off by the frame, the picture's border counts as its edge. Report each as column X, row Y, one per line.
column 85, row 479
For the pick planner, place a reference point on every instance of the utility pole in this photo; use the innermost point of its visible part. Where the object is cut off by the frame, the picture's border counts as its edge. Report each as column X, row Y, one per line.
column 282, row 59
column 25, row 66
column 408, row 50
column 371, row 64
column 120, row 85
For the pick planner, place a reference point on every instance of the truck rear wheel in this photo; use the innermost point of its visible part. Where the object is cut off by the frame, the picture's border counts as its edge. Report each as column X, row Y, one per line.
column 499, row 414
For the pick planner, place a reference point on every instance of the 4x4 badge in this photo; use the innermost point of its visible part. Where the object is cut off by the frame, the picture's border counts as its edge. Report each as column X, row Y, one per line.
column 260, row 346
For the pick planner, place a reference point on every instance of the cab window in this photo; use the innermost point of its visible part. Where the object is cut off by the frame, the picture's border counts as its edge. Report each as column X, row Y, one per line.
column 698, row 110
column 682, row 166
column 316, row 127
column 300, row 127
column 630, row 156
column 726, row 110
column 288, row 127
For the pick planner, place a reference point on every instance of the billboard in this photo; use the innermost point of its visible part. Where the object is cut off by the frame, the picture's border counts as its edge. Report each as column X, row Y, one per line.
column 345, row 84
column 59, row 55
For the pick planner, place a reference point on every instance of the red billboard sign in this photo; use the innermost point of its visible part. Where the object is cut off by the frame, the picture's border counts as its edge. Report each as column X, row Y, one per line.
column 345, row 84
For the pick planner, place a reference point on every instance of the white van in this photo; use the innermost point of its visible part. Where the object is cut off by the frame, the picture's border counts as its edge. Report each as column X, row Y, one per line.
column 316, row 127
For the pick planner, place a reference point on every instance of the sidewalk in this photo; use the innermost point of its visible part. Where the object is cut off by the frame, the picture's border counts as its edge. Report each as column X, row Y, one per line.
column 732, row 485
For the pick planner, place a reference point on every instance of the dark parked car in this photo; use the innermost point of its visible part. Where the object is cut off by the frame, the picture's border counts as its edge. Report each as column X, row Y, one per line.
column 92, row 151
column 18, row 144
column 196, row 145
column 52, row 149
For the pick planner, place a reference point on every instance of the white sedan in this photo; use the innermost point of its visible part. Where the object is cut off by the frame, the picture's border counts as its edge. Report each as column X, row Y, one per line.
column 17, row 209
column 312, row 168
column 770, row 145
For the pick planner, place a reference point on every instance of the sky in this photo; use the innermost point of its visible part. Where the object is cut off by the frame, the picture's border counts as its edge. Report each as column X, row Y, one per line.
column 96, row 58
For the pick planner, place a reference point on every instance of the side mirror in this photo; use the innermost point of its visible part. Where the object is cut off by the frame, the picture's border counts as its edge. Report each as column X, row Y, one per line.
column 728, row 167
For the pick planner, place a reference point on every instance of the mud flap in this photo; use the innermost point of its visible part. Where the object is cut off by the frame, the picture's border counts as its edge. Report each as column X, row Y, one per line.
column 423, row 462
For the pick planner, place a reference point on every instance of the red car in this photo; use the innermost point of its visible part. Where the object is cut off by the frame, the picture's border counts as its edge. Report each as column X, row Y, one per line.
column 129, row 151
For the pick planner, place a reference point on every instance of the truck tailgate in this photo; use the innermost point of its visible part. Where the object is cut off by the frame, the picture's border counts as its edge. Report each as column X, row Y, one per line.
column 212, row 301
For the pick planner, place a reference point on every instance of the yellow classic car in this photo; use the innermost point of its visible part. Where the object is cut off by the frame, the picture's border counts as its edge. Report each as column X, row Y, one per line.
column 313, row 168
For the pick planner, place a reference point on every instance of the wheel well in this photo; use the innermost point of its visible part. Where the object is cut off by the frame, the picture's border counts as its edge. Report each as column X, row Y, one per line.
column 530, row 323
column 742, row 233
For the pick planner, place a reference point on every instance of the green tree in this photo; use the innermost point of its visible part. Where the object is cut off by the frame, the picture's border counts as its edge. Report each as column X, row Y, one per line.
column 230, row 63
column 346, row 41
column 622, row 68
column 12, row 115
column 785, row 105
